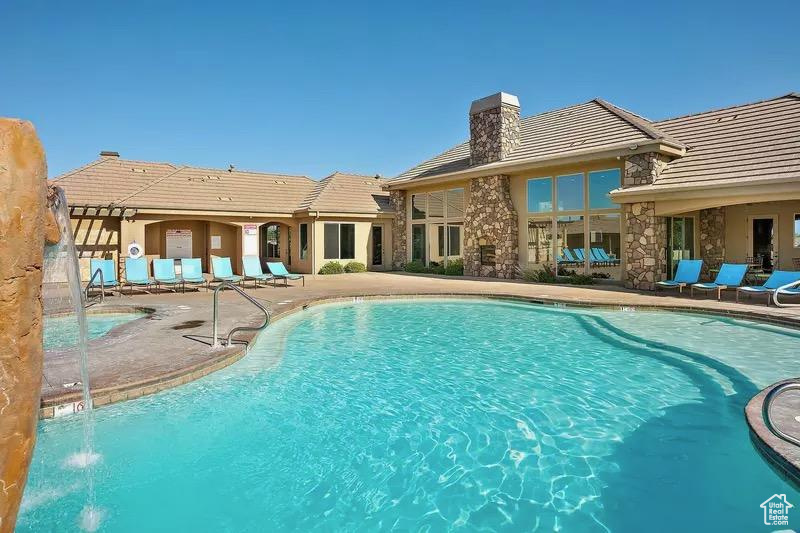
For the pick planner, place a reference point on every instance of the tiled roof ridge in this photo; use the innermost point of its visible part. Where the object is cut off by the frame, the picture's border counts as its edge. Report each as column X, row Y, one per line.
column 726, row 108
column 637, row 121
column 150, row 184
column 80, row 169
column 315, row 193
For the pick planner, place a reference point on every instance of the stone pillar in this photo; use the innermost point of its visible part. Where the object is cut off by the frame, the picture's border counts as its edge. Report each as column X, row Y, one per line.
column 712, row 238
column 490, row 220
column 398, row 200
column 645, row 246
column 493, row 128
column 25, row 222
column 646, row 234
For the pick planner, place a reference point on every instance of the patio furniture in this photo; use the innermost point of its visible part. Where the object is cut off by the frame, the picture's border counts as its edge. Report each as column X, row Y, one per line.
column 603, row 255
column 567, row 258
column 730, row 276
column 222, row 271
column 192, row 273
column 136, row 273
column 687, row 273
column 280, row 272
column 164, row 273
column 777, row 279
column 109, row 272
column 253, row 270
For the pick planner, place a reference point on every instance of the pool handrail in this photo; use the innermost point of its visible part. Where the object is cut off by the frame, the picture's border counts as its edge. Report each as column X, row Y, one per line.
column 215, row 331
column 765, row 410
column 97, row 272
column 779, row 290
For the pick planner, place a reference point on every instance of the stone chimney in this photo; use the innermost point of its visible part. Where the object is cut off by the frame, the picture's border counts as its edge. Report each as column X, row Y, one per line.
column 493, row 128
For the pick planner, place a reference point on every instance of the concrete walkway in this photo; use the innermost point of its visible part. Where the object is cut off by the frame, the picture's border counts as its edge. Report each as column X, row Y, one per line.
column 172, row 345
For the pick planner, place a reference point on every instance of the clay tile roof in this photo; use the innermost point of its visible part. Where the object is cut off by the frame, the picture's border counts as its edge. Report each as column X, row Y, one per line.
column 141, row 184
column 736, row 145
column 348, row 193
column 591, row 125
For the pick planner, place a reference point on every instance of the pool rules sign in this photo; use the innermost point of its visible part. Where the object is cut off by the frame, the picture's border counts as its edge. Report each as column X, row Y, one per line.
column 179, row 243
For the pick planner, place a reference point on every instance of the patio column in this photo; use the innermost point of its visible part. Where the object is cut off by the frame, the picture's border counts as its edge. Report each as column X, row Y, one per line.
column 646, row 233
column 490, row 229
column 397, row 199
column 712, row 238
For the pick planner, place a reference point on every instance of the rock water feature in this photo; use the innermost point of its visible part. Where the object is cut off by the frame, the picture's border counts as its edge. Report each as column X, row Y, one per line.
column 61, row 268
column 26, row 224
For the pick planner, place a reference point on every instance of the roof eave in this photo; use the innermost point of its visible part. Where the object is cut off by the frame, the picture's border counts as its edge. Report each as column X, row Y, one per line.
column 656, row 192
column 619, row 150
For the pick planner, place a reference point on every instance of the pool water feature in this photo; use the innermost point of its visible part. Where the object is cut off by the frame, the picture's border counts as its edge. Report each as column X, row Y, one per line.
column 438, row 414
column 62, row 332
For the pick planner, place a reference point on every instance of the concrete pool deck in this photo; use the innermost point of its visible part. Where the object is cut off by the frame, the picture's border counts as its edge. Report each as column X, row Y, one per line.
column 172, row 345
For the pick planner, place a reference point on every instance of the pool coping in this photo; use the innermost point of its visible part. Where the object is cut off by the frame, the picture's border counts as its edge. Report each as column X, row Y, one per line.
column 136, row 389
column 782, row 456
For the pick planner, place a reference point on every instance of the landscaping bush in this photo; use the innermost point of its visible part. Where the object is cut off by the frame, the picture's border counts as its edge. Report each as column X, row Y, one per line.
column 436, row 269
column 355, row 266
column 535, row 275
column 580, row 279
column 415, row 267
column 546, row 275
column 454, row 268
column 333, row 267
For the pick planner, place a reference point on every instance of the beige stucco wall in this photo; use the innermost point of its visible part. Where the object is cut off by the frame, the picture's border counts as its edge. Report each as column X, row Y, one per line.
column 737, row 230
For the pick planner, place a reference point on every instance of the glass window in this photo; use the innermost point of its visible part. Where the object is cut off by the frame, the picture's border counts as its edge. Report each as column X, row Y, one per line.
column 570, row 241
column 540, row 195
column 347, row 244
column 273, row 240
column 540, row 241
column 436, row 204
column 331, row 241
column 377, row 245
column 419, row 206
column 418, row 242
column 439, row 240
column 605, row 246
column 570, row 192
column 601, row 183
column 455, row 203
column 797, row 231
column 303, row 241
column 454, row 240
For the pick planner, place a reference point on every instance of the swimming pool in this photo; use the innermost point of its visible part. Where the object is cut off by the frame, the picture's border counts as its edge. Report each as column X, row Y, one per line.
column 62, row 331
column 438, row 414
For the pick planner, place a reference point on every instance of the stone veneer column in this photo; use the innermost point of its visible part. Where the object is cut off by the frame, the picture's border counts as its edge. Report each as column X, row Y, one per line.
column 646, row 234
column 397, row 199
column 645, row 246
column 490, row 219
column 712, row 238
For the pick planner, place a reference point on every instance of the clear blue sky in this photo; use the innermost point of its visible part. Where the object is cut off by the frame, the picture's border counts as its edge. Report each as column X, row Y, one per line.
column 373, row 87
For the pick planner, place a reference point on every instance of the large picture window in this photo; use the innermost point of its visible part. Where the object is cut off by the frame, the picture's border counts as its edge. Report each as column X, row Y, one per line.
column 437, row 228
column 340, row 241
column 573, row 225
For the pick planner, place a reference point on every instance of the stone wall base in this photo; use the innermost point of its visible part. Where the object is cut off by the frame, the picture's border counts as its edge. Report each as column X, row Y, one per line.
column 490, row 220
column 645, row 246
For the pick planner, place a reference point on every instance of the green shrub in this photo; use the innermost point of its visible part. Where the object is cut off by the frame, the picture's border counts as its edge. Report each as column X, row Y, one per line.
column 355, row 266
column 436, row 269
column 580, row 279
column 454, row 268
column 416, row 267
column 535, row 275
column 333, row 267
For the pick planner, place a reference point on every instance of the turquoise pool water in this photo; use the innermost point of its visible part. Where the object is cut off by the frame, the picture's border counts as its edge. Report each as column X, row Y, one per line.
column 440, row 415
column 62, row 332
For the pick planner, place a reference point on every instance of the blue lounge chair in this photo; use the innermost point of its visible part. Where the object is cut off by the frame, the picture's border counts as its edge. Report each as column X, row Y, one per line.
column 106, row 266
column 688, row 273
column 280, row 272
column 567, row 257
column 730, row 276
column 594, row 257
column 603, row 256
column 777, row 279
column 253, row 270
column 578, row 253
column 192, row 273
column 136, row 273
column 164, row 273
column 222, row 271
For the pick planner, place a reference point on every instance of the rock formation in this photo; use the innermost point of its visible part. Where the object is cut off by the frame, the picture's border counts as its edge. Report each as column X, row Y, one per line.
column 26, row 223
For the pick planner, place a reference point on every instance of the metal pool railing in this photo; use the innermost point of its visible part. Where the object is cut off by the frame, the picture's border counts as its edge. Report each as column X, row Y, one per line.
column 767, row 404
column 778, row 291
column 97, row 272
column 229, row 285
